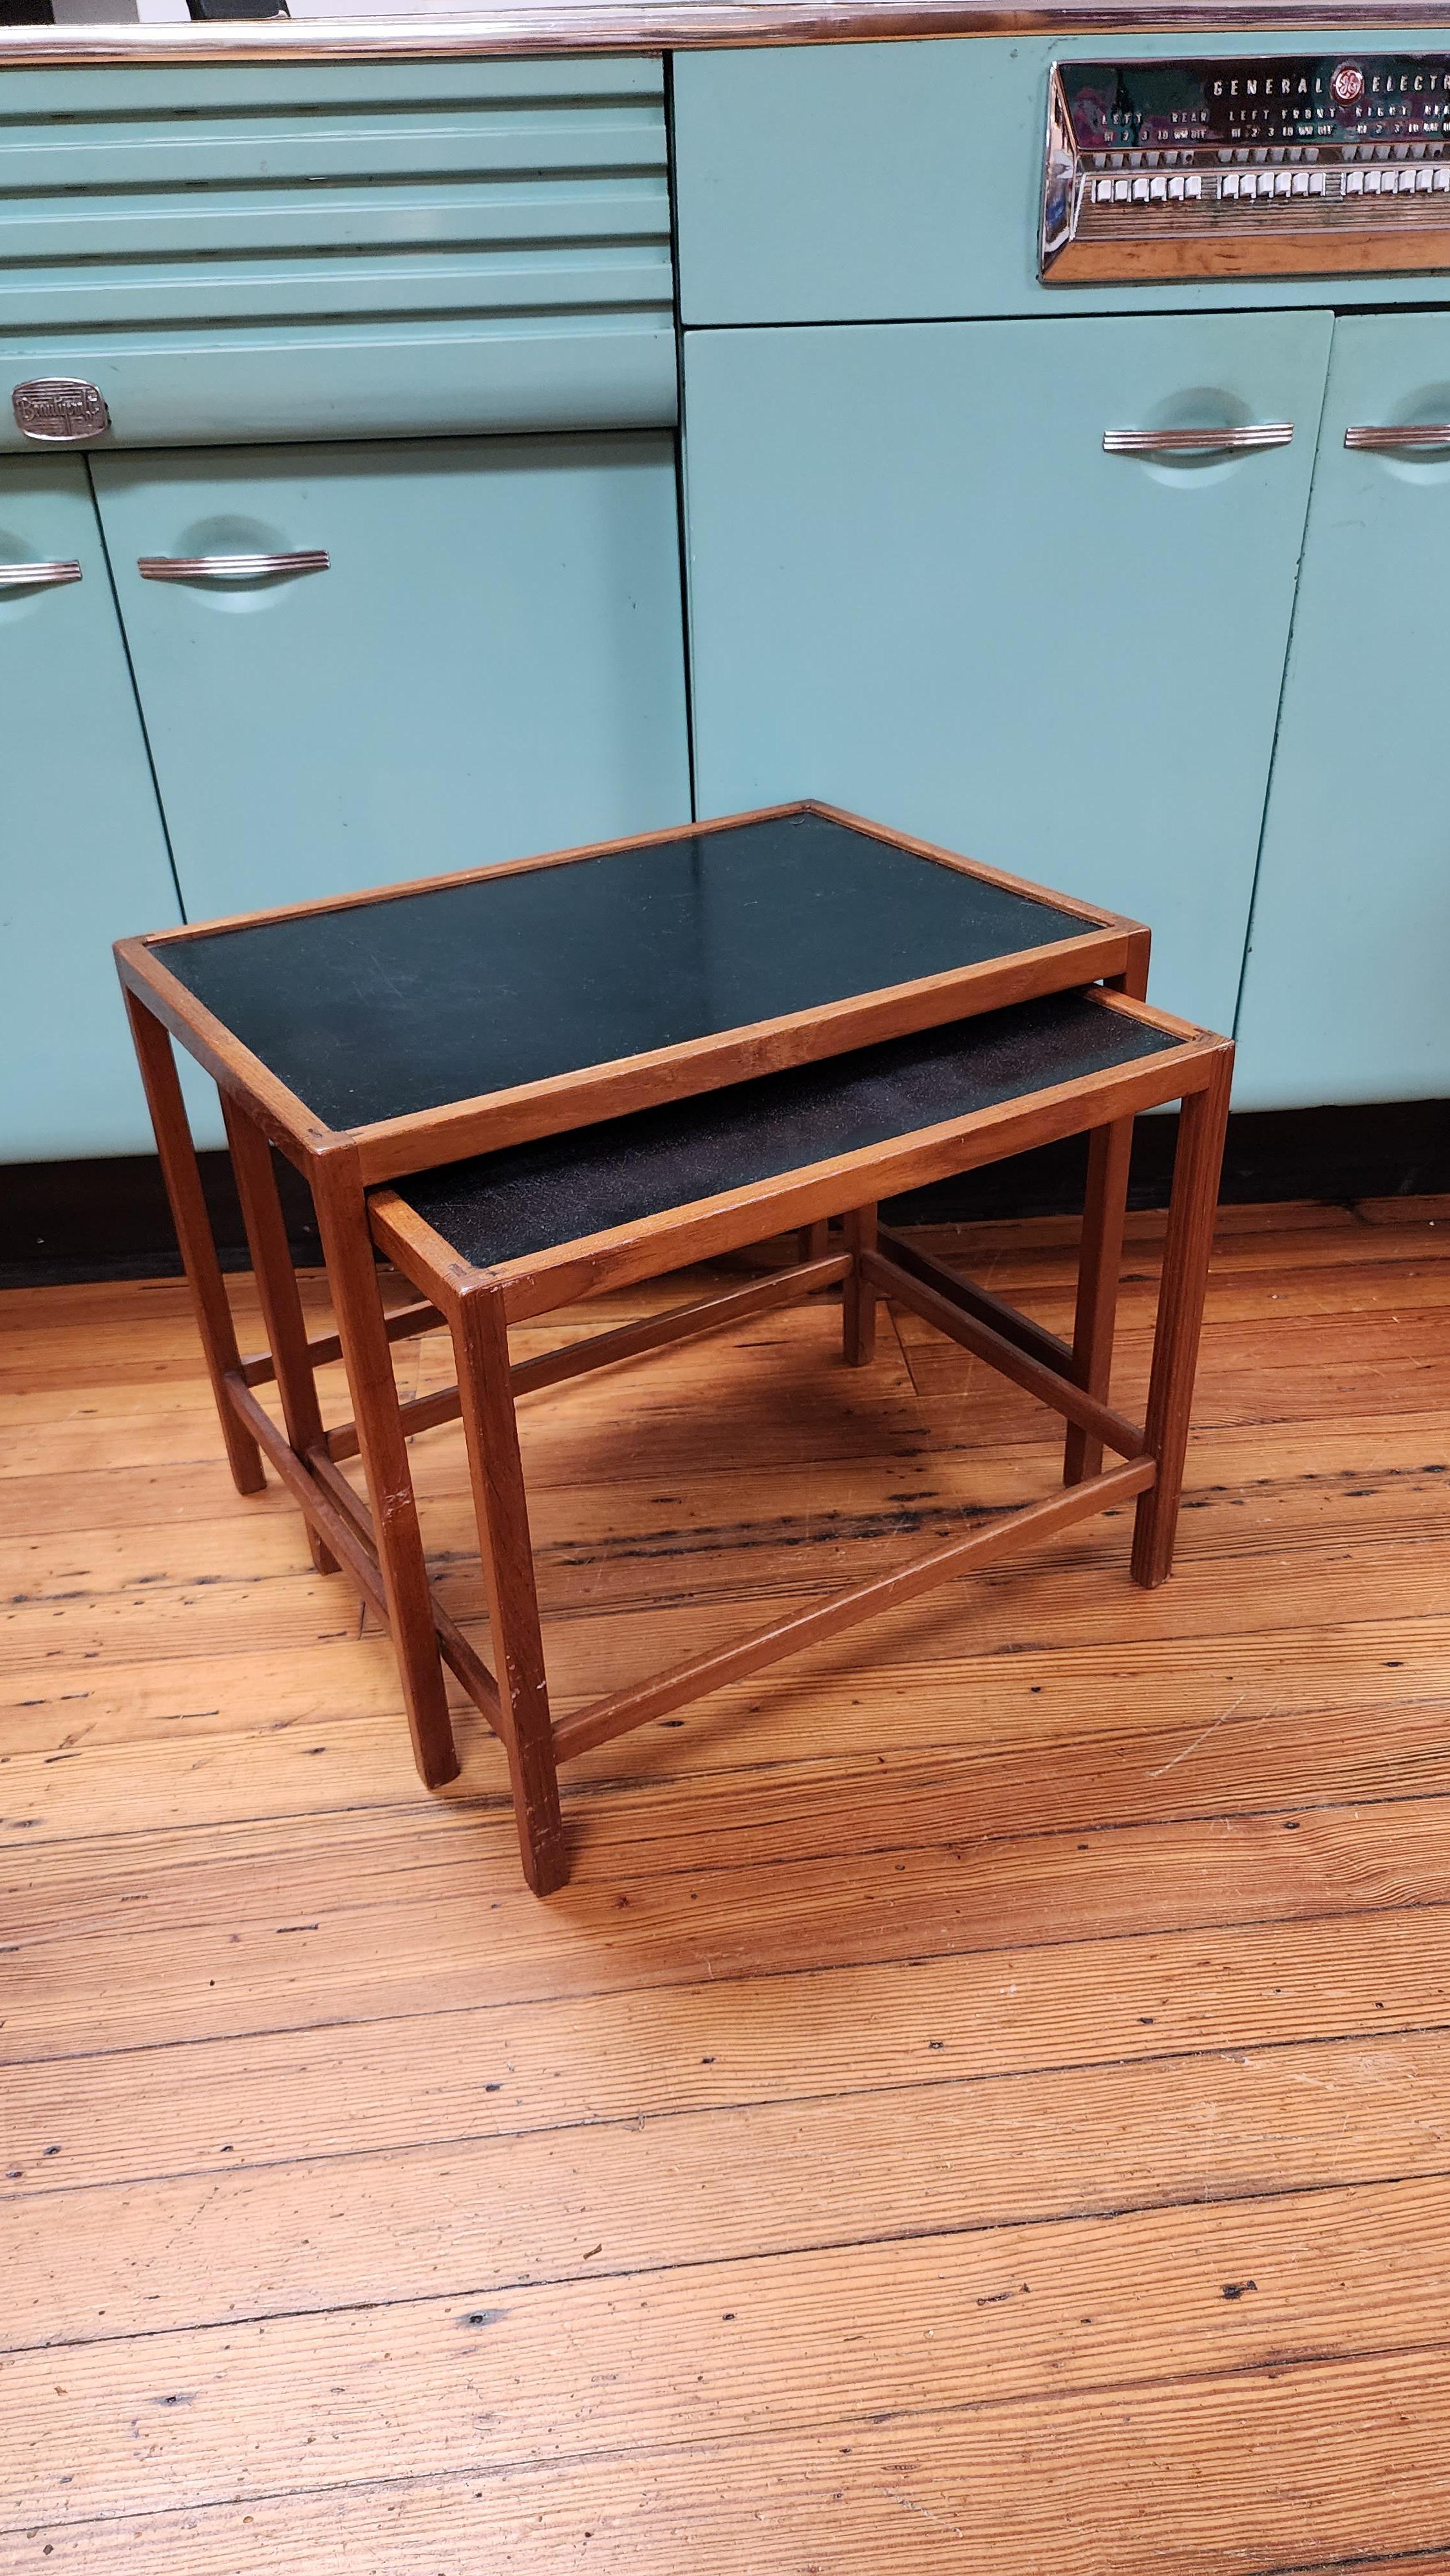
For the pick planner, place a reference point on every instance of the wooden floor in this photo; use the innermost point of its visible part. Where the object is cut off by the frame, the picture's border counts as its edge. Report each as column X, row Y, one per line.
column 983, row 2103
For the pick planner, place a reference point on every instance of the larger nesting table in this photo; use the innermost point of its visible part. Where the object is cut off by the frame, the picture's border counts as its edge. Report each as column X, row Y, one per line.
column 378, row 1037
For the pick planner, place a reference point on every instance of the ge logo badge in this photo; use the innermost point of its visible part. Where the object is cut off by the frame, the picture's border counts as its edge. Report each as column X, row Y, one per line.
column 1348, row 84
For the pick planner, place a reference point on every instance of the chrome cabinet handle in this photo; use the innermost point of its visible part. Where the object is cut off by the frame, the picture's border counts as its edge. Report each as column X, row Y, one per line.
column 230, row 567
column 1392, row 442
column 37, row 576
column 1198, row 442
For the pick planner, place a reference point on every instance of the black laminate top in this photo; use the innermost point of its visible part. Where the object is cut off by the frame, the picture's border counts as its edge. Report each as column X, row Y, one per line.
column 533, row 1198
column 380, row 1010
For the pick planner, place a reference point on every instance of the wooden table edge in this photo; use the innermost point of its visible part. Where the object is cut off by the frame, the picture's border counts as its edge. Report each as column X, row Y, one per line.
column 534, row 1283
column 1028, row 887
column 415, row 1141
column 393, row 892
column 356, row 899
column 391, row 1148
column 285, row 1119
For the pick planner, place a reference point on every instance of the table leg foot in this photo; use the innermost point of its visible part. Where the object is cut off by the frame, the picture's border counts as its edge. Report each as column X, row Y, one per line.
column 481, row 1348
column 1196, row 1165
column 368, row 1359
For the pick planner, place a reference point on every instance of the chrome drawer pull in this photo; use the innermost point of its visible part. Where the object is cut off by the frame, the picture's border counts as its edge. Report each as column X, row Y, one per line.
column 230, row 567
column 1391, row 442
column 1198, row 442
column 37, row 576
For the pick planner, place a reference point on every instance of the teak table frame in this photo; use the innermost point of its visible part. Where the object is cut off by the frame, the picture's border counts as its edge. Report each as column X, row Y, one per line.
column 479, row 1305
column 381, row 1547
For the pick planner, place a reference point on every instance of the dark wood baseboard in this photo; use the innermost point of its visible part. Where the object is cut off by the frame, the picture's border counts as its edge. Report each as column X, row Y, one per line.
column 1378, row 1150
column 108, row 1219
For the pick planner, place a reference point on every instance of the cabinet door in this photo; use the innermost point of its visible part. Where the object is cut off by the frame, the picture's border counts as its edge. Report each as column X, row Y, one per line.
column 1345, row 993
column 491, row 665
column 82, row 852
column 920, row 588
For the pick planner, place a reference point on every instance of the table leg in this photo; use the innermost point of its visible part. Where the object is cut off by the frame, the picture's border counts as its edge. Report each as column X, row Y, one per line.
column 480, row 1341
column 368, row 1359
column 1100, row 1262
column 282, row 1315
column 1100, row 1256
column 858, row 1297
column 182, row 1176
column 1197, row 1160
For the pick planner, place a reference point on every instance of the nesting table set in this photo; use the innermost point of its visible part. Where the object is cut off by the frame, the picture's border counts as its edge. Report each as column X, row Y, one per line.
column 533, row 1083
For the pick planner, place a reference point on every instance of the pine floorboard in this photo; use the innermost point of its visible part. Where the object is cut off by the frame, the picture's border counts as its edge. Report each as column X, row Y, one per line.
column 983, row 2101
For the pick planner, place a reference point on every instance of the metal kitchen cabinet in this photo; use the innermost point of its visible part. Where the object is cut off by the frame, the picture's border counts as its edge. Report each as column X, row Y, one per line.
column 486, row 661
column 1349, row 957
column 236, row 251
column 903, row 181
column 82, row 851
column 920, row 587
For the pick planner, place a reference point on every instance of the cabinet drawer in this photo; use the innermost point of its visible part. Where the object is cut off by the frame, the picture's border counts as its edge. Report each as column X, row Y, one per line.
column 330, row 250
column 489, row 662
column 902, row 182
column 921, row 589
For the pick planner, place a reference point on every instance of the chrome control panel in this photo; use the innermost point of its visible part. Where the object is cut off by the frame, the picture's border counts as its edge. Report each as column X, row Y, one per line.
column 1252, row 167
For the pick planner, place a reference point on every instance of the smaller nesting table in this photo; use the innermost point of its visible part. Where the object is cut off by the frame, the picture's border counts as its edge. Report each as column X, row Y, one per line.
column 533, row 1083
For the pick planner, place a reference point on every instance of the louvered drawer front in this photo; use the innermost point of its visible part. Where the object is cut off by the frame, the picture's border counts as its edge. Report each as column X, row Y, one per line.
column 322, row 249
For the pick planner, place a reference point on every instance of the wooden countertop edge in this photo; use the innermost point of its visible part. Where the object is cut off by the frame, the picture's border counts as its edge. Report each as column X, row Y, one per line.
column 561, row 27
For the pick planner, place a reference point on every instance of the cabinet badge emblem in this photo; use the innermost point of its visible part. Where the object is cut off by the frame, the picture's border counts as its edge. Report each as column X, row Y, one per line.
column 61, row 410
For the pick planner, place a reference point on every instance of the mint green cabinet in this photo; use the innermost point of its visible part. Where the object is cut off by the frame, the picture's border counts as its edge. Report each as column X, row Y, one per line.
column 492, row 663
column 82, row 852
column 920, row 588
column 903, row 181
column 1345, row 993
column 287, row 250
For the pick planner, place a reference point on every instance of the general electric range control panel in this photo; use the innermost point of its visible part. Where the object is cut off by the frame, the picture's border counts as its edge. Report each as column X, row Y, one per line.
column 1251, row 168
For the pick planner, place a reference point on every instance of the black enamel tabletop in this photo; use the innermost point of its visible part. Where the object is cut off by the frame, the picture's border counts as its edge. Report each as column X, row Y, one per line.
column 381, row 1010
column 533, row 1198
